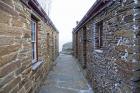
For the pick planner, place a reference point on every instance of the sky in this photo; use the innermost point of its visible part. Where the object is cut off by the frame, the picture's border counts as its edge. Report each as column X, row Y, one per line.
column 65, row 13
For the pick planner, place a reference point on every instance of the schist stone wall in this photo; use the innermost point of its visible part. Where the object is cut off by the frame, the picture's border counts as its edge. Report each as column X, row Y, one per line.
column 115, row 66
column 17, row 72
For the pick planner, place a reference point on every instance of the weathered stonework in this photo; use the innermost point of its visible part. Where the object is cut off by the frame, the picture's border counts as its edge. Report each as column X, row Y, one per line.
column 114, row 68
column 16, row 68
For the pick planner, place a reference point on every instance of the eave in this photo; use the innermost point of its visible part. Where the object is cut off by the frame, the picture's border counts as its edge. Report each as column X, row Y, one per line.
column 35, row 6
column 92, row 12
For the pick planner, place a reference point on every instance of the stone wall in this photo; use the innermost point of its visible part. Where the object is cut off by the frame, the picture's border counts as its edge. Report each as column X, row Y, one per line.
column 16, row 68
column 52, row 43
column 114, row 68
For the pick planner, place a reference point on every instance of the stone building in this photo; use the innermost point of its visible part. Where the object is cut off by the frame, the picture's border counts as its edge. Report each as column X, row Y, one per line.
column 28, row 45
column 106, row 43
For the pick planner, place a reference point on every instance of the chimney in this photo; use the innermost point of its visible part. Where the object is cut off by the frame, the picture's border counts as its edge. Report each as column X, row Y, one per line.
column 77, row 22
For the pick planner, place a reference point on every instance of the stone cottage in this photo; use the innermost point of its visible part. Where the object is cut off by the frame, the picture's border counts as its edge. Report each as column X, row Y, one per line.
column 28, row 45
column 107, row 44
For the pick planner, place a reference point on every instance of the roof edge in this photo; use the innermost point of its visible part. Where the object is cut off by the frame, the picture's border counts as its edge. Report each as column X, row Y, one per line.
column 93, row 11
column 33, row 4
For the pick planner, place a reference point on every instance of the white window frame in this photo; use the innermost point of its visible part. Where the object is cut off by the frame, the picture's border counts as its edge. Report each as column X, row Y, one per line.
column 34, row 39
column 98, row 26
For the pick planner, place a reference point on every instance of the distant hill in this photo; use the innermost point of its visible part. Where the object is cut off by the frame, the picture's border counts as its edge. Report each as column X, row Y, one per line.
column 67, row 48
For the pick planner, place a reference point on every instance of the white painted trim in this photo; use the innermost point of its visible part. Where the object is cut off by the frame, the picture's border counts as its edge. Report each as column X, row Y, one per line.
column 36, row 65
column 34, row 41
column 99, row 51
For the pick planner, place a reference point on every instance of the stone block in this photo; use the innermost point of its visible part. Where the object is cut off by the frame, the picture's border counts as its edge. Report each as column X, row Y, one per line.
column 6, row 40
column 10, row 31
column 8, row 58
column 6, row 79
column 22, row 90
column 26, row 72
column 128, row 66
column 8, row 7
column 124, row 33
column 128, row 18
column 9, row 2
column 5, row 17
column 121, row 48
column 15, row 89
column 9, row 68
column 27, row 62
column 136, row 66
column 27, row 35
column 17, row 22
column 28, row 84
column 20, row 70
column 136, row 75
column 22, row 83
column 4, row 50
column 10, row 85
column 137, row 90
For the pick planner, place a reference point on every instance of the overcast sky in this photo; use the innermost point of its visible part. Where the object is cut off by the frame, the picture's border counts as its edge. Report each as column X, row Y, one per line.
column 65, row 13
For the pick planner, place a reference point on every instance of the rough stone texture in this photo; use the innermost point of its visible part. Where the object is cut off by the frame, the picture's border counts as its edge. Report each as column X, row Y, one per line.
column 112, row 68
column 16, row 73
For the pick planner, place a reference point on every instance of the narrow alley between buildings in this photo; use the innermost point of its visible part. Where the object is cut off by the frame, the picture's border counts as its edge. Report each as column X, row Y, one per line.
column 102, row 54
column 66, row 77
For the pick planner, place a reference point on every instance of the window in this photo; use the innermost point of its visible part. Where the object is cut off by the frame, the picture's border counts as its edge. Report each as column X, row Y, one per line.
column 34, row 40
column 99, row 35
column 34, row 37
column 48, row 40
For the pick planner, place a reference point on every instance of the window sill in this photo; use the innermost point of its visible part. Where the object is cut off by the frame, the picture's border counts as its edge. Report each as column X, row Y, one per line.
column 36, row 65
column 99, row 51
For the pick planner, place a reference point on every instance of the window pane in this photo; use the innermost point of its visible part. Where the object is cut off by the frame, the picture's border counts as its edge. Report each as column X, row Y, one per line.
column 33, row 32
column 32, row 29
column 33, row 57
column 99, row 35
